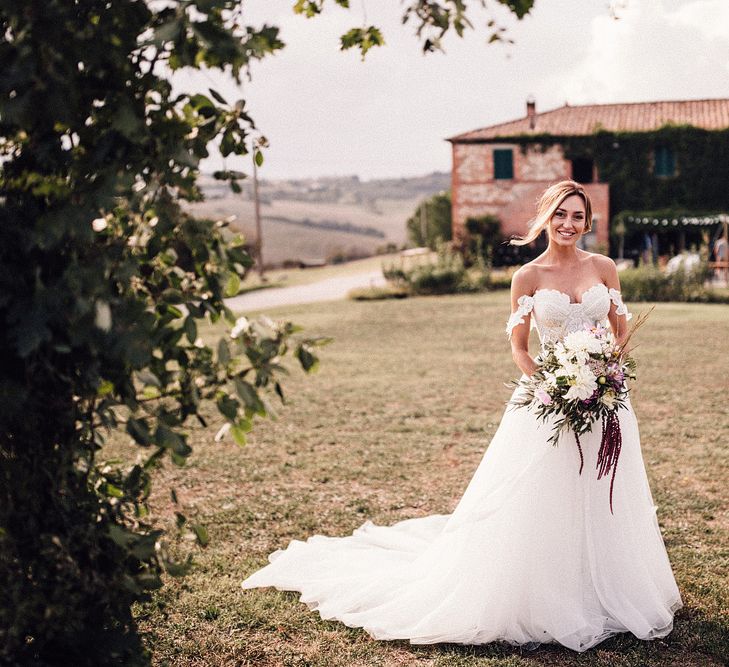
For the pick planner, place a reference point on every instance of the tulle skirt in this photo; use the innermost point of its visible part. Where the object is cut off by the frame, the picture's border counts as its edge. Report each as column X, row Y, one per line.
column 531, row 553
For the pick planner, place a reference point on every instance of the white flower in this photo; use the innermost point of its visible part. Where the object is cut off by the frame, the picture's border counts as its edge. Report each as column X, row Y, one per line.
column 241, row 325
column 584, row 383
column 222, row 432
column 585, row 374
column 582, row 342
column 267, row 321
column 99, row 225
column 567, row 369
column 199, row 343
column 581, row 390
column 608, row 399
column 103, row 315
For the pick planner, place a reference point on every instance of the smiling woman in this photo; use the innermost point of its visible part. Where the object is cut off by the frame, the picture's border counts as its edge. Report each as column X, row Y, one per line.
column 535, row 551
column 564, row 209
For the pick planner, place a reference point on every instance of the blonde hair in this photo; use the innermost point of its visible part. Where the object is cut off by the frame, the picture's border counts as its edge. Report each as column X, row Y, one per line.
column 548, row 203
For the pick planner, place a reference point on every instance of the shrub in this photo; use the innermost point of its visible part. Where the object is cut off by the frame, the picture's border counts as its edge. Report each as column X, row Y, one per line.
column 435, row 213
column 104, row 282
column 484, row 235
column 501, row 280
column 446, row 275
column 648, row 283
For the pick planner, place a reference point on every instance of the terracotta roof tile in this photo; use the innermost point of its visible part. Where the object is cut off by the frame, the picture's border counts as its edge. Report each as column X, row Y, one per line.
column 586, row 119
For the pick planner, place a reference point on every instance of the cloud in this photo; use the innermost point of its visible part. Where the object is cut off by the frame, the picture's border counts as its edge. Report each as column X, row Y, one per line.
column 650, row 53
column 326, row 112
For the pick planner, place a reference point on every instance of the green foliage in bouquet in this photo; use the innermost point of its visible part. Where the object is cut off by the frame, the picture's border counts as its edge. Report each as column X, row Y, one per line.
column 578, row 381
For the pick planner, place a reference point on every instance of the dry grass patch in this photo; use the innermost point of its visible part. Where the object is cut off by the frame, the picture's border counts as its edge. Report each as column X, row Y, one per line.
column 393, row 426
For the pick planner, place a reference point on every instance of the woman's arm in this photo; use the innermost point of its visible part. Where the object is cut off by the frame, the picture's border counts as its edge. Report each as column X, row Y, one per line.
column 618, row 322
column 521, row 284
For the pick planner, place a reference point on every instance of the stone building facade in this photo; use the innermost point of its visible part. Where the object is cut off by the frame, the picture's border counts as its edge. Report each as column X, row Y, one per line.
column 502, row 169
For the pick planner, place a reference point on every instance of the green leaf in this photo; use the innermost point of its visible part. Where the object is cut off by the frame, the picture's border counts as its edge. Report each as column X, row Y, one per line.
column 217, row 96
column 105, row 388
column 177, row 568
column 149, row 581
column 113, row 491
column 173, row 441
column 232, row 285
column 201, row 533
column 151, row 392
column 223, row 352
column 149, row 378
column 239, row 430
column 190, row 328
column 308, row 361
column 144, row 548
column 258, row 157
column 139, row 430
column 228, row 406
column 363, row 38
column 249, row 396
column 121, row 535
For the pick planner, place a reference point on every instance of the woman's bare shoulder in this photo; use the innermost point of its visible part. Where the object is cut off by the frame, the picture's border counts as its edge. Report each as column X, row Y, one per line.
column 524, row 280
column 605, row 265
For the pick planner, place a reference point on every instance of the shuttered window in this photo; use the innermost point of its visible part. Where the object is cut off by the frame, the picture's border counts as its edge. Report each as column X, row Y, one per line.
column 665, row 161
column 503, row 163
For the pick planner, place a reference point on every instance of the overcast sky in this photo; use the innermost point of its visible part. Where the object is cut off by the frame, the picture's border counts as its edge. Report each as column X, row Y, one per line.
column 326, row 112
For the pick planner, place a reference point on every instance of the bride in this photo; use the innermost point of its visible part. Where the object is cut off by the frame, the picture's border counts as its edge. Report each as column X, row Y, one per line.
column 532, row 552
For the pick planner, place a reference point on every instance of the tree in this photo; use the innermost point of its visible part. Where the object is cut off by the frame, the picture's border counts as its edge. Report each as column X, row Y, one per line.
column 104, row 281
column 432, row 216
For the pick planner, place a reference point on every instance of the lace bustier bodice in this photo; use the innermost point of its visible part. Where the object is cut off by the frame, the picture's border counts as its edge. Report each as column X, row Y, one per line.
column 554, row 315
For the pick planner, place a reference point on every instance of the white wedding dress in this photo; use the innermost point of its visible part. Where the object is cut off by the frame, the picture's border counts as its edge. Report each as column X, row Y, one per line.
column 530, row 554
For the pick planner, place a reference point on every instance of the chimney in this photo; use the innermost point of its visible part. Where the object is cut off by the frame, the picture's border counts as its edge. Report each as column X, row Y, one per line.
column 531, row 112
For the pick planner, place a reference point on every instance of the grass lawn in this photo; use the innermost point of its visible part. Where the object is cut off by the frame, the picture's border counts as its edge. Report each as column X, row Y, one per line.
column 393, row 426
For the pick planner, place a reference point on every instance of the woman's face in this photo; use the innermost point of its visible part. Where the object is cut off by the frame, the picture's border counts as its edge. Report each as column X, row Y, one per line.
column 568, row 222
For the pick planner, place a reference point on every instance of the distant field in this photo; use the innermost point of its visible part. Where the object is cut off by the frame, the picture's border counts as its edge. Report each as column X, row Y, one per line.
column 287, row 240
column 393, row 426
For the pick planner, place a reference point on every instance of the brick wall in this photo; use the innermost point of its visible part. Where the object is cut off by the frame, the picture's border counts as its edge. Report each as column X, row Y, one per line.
column 475, row 192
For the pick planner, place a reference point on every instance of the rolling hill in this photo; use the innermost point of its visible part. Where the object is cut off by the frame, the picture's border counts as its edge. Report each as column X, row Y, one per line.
column 321, row 218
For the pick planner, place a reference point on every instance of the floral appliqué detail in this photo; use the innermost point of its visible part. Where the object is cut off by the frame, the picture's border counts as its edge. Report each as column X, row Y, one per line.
column 617, row 299
column 525, row 306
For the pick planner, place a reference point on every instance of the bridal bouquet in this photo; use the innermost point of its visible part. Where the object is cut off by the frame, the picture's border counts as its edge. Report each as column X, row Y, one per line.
column 579, row 380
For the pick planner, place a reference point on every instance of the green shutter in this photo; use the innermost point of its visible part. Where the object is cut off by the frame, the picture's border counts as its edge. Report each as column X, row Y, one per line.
column 503, row 163
column 665, row 161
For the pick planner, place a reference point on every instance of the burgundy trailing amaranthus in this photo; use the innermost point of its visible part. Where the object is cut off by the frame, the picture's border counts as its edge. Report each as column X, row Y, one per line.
column 610, row 445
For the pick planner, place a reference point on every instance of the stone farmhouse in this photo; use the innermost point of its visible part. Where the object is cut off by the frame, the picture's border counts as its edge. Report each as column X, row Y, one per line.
column 638, row 156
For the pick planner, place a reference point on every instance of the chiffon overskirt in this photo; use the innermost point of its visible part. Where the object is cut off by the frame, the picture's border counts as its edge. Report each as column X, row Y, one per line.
column 530, row 554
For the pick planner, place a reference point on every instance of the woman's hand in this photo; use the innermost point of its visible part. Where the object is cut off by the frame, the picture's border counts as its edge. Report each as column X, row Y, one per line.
column 523, row 360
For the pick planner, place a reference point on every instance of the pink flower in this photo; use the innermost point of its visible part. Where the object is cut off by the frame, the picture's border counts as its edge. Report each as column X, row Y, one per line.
column 543, row 396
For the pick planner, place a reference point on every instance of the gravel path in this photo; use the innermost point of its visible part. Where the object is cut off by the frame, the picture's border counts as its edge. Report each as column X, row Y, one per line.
column 323, row 290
